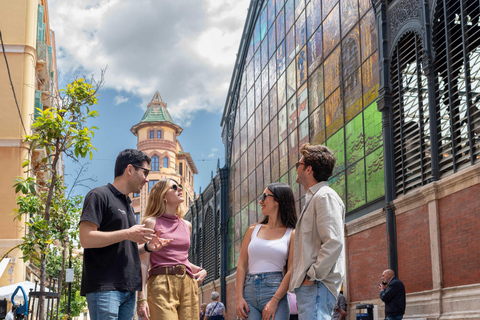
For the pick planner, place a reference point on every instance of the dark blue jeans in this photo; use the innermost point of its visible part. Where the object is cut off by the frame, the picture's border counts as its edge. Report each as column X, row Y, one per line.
column 395, row 317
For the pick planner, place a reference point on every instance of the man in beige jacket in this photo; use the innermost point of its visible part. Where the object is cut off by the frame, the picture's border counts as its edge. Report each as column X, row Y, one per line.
column 319, row 254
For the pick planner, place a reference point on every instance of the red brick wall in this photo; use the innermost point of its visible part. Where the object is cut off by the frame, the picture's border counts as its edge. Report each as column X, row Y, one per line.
column 231, row 296
column 413, row 247
column 367, row 258
column 460, row 237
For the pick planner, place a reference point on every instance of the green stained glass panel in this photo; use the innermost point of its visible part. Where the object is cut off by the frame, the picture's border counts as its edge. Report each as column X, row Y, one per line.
column 237, row 200
column 373, row 127
column 375, row 175
column 231, row 230
column 231, row 256
column 252, row 212
column 294, row 184
column 337, row 145
column 244, row 193
column 337, row 183
column 284, row 178
column 356, row 185
column 238, row 247
column 244, row 220
column 354, row 139
column 238, row 227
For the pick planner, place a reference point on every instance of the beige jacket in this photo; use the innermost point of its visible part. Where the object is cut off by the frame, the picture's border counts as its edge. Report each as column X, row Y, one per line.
column 319, row 250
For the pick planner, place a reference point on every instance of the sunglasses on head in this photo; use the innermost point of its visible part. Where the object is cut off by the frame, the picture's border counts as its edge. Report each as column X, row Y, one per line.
column 264, row 196
column 145, row 170
column 176, row 187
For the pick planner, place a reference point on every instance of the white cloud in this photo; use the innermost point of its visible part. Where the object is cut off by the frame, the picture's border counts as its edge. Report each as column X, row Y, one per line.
column 211, row 155
column 119, row 100
column 184, row 49
column 214, row 149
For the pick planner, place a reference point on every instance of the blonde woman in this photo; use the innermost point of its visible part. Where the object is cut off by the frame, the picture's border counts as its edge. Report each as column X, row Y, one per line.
column 172, row 281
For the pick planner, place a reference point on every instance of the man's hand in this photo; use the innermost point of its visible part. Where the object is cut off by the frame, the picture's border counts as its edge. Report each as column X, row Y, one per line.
column 307, row 282
column 140, row 234
column 143, row 311
column 158, row 243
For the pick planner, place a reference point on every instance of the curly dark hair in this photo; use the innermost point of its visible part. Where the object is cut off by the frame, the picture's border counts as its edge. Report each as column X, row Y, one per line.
column 129, row 156
column 286, row 204
column 320, row 158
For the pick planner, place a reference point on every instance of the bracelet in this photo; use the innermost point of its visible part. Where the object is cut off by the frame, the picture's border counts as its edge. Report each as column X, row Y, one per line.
column 276, row 298
column 140, row 300
column 146, row 247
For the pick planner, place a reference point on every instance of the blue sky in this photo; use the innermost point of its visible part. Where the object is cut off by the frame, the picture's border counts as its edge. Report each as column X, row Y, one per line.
column 184, row 49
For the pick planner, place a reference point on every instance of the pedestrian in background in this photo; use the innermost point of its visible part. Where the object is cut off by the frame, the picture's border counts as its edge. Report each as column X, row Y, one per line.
column 392, row 292
column 266, row 247
column 172, row 280
column 216, row 309
column 111, row 238
column 203, row 308
column 340, row 308
column 319, row 252
column 292, row 300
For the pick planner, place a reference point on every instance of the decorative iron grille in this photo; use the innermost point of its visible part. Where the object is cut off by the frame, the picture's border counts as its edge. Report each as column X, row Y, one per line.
column 456, row 41
column 411, row 122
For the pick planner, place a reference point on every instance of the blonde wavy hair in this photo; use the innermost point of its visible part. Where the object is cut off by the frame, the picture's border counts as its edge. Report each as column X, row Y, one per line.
column 156, row 206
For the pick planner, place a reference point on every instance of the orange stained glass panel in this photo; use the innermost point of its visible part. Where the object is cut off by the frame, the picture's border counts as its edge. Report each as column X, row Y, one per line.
column 370, row 79
column 368, row 33
column 334, row 112
column 332, row 72
column 331, row 32
column 349, row 14
column 317, row 125
column 315, row 89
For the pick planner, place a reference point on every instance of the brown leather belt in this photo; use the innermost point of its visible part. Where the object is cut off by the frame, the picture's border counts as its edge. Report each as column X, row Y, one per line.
column 178, row 270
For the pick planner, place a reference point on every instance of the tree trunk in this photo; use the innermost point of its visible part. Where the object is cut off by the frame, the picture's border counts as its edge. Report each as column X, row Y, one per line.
column 41, row 300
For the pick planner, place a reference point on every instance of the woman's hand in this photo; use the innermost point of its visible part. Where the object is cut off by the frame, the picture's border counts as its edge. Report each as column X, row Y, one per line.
column 200, row 276
column 142, row 310
column 241, row 308
column 268, row 312
column 157, row 243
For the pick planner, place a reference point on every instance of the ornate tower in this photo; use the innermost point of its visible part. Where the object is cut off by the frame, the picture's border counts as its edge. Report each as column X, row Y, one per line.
column 157, row 136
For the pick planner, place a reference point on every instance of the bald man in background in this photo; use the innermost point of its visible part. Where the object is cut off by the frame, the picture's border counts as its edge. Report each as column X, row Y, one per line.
column 392, row 292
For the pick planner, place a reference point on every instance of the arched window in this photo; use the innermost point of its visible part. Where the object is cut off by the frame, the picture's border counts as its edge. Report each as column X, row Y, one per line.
column 159, row 134
column 155, row 162
column 165, row 162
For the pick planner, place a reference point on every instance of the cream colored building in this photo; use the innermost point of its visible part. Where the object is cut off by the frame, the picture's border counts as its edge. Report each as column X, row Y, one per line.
column 157, row 136
column 30, row 51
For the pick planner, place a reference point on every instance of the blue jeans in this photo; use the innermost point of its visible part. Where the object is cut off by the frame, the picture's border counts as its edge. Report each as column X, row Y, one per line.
column 111, row 305
column 259, row 290
column 395, row 317
column 315, row 302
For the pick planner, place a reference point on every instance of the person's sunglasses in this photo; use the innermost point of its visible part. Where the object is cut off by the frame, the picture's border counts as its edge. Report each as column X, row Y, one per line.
column 145, row 170
column 298, row 164
column 176, row 187
column 264, row 196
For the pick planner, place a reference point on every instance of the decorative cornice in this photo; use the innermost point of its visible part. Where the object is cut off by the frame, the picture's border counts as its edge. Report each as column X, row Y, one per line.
column 400, row 13
column 365, row 222
column 155, row 144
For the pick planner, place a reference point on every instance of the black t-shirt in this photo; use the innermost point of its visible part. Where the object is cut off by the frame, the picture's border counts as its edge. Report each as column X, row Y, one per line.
column 117, row 266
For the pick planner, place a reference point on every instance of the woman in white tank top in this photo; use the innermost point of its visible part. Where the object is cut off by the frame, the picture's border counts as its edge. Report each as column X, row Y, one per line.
column 266, row 247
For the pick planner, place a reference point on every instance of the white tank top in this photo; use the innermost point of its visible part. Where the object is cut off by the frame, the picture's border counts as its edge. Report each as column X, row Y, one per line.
column 267, row 255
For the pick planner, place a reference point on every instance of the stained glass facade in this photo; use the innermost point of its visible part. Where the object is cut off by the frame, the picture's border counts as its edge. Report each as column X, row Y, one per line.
column 310, row 75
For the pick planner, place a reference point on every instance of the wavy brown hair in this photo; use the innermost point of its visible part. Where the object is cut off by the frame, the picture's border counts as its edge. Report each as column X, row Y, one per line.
column 156, row 206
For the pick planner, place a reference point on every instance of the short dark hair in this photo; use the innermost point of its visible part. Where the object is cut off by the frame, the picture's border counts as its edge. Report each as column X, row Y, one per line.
column 320, row 158
column 286, row 204
column 129, row 156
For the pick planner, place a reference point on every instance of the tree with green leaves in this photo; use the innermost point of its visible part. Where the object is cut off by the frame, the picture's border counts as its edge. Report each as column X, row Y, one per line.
column 57, row 131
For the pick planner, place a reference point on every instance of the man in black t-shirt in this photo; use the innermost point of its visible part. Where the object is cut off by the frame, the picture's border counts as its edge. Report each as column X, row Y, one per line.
column 109, row 234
